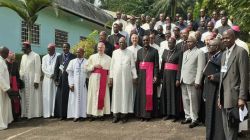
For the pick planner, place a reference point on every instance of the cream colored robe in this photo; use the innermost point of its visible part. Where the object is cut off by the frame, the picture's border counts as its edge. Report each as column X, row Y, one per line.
column 30, row 73
column 5, row 103
column 94, row 84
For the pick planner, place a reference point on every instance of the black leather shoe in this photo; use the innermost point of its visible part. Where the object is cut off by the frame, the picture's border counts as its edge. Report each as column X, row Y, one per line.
column 102, row 119
column 92, row 119
column 115, row 120
column 76, row 120
column 193, row 124
column 166, row 118
column 124, row 120
column 186, row 121
column 175, row 119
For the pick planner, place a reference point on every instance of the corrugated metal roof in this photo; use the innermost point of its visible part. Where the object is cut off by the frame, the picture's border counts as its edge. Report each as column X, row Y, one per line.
column 85, row 10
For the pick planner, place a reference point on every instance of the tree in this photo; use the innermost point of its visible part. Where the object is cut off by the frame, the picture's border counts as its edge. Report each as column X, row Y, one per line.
column 87, row 44
column 28, row 10
column 170, row 7
column 239, row 9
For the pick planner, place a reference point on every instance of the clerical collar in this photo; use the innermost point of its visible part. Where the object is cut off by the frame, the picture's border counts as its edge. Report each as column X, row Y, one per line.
column 80, row 59
column 99, row 54
column 192, row 48
column 172, row 50
column 53, row 55
column 146, row 47
column 216, row 54
column 135, row 45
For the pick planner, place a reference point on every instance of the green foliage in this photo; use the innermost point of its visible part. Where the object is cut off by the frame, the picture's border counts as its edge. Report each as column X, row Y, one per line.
column 239, row 9
column 148, row 7
column 87, row 44
column 131, row 7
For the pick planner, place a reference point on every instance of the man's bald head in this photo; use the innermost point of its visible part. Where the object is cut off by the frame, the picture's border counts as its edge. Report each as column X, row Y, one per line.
column 101, row 47
column 102, row 36
column 4, row 52
column 191, row 42
column 228, row 38
column 134, row 39
column 79, row 53
column 145, row 41
column 160, row 29
column 51, row 49
column 215, row 42
column 214, row 46
column 122, row 43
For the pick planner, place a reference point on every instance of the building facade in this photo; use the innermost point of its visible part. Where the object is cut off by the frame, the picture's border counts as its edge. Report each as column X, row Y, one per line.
column 70, row 25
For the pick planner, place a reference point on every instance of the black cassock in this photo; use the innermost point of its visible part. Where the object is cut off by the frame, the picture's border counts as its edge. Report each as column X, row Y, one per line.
column 62, row 94
column 170, row 99
column 146, row 55
column 213, row 120
column 15, row 78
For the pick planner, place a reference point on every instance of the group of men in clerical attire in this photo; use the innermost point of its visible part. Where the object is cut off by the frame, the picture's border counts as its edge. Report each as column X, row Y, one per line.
column 150, row 69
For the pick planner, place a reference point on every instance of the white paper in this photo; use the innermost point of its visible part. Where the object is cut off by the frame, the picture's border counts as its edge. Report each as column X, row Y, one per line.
column 243, row 113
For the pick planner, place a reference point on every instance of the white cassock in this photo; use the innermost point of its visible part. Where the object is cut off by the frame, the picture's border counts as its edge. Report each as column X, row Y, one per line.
column 6, row 116
column 163, row 46
column 129, row 28
column 134, row 50
column 30, row 73
column 94, row 85
column 122, row 70
column 77, row 104
column 49, row 86
column 145, row 26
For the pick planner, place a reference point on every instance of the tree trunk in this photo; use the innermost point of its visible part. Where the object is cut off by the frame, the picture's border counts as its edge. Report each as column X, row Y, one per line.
column 173, row 8
column 29, row 27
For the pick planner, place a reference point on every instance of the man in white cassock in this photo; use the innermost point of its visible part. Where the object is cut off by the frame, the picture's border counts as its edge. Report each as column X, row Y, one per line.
column 49, row 86
column 98, row 90
column 77, row 104
column 122, row 75
column 5, row 103
column 134, row 49
column 30, row 74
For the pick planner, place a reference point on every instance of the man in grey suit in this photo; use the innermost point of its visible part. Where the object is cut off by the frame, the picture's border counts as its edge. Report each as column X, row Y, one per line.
column 191, row 78
column 234, row 80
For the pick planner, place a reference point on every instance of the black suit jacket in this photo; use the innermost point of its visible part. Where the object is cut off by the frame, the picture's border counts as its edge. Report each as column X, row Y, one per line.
column 140, row 31
column 59, row 61
column 148, row 32
column 114, row 39
column 234, row 82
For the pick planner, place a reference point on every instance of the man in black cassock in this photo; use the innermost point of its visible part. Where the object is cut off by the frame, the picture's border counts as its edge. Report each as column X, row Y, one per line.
column 61, row 80
column 213, row 120
column 170, row 99
column 109, row 48
column 146, row 102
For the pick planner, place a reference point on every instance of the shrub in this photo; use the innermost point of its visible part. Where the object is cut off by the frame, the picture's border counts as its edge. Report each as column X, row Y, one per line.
column 87, row 44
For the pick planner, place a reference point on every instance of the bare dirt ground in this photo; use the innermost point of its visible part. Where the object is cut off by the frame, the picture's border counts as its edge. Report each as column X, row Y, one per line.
column 53, row 129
